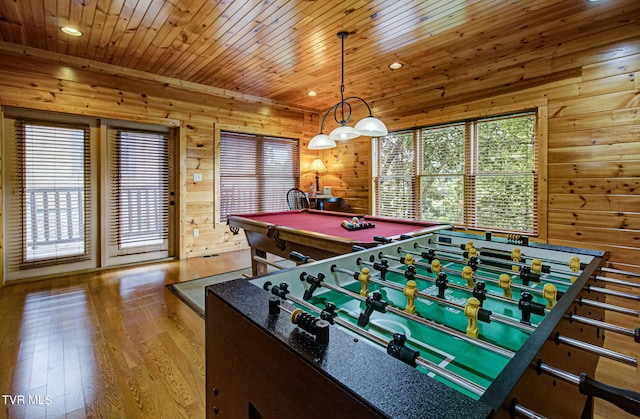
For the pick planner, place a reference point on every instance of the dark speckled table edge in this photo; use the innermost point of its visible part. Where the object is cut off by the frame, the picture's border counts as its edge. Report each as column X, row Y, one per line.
column 403, row 393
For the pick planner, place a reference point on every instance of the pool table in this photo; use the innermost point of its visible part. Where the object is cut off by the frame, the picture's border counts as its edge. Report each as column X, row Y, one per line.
column 317, row 234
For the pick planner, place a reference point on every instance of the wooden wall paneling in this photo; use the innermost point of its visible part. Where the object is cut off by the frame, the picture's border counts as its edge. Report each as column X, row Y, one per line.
column 605, row 169
column 568, row 202
column 349, row 172
column 596, row 120
column 605, row 186
column 593, row 235
column 599, row 219
column 50, row 85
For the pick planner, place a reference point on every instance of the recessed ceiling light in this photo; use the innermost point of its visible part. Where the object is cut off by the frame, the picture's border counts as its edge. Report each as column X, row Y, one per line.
column 396, row 66
column 71, row 31
column 312, row 93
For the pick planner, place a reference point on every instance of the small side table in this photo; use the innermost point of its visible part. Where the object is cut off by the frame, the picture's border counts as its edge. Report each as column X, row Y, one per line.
column 320, row 200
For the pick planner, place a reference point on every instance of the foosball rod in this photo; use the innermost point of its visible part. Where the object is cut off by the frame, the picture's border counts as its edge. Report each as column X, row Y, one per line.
column 486, row 258
column 482, row 277
column 428, row 365
column 625, row 399
column 607, row 291
column 620, row 272
column 429, row 323
column 504, row 252
column 616, row 281
column 497, row 317
column 493, row 316
column 606, row 306
column 518, row 411
column 450, row 285
column 635, row 334
column 268, row 262
column 565, row 281
column 597, row 350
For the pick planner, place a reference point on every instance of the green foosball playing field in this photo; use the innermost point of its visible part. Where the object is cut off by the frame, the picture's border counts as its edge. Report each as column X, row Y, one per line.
column 476, row 350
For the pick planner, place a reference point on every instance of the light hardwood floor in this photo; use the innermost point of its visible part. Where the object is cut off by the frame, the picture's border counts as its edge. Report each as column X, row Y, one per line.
column 116, row 344
column 119, row 344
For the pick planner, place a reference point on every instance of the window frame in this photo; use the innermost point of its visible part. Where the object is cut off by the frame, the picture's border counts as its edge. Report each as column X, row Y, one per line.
column 219, row 129
column 15, row 268
column 460, row 115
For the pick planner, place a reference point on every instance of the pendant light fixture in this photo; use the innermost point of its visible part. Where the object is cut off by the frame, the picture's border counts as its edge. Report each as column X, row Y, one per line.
column 369, row 126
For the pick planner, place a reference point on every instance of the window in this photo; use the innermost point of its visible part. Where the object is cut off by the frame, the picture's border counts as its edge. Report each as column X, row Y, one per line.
column 256, row 172
column 51, row 179
column 477, row 174
column 141, row 188
column 396, row 175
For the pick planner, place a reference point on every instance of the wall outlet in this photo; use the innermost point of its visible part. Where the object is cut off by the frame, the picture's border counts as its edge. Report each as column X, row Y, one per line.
column 196, row 232
column 197, row 177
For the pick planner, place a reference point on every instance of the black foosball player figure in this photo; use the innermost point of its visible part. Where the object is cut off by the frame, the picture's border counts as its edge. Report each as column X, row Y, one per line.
column 373, row 302
column 480, row 292
column 382, row 267
column 528, row 306
column 429, row 255
column 473, row 263
column 527, row 276
column 329, row 312
column 442, row 283
column 410, row 273
column 397, row 349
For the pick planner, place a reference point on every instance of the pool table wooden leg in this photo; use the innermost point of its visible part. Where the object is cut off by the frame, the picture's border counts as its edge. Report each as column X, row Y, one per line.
column 258, row 268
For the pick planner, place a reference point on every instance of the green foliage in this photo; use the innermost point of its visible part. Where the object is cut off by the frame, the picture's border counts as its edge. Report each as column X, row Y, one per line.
column 492, row 188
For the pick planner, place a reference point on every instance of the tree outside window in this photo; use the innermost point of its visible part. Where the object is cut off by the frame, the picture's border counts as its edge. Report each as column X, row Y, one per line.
column 478, row 174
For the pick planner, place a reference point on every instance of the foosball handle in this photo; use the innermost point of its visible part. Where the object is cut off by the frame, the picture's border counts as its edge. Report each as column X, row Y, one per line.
column 382, row 239
column 627, row 400
column 299, row 257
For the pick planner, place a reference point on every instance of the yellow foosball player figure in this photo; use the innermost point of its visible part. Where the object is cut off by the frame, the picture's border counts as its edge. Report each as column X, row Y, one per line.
column 408, row 260
column 364, row 281
column 472, row 253
column 471, row 311
column 536, row 266
column 505, row 283
column 467, row 275
column 574, row 264
column 411, row 292
column 516, row 256
column 550, row 293
column 436, row 266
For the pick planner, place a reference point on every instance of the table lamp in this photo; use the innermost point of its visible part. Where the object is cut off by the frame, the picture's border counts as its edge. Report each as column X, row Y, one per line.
column 318, row 167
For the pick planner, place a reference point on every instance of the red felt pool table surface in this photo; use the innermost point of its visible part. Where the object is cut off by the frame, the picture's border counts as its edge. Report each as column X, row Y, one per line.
column 326, row 222
column 318, row 234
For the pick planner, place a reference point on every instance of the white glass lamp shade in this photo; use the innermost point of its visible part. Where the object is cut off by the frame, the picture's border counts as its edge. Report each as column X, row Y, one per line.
column 372, row 127
column 344, row 132
column 320, row 142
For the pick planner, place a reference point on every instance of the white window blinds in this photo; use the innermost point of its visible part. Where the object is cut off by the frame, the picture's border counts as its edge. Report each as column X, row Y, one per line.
column 256, row 172
column 478, row 174
column 395, row 180
column 140, row 188
column 51, row 179
column 503, row 177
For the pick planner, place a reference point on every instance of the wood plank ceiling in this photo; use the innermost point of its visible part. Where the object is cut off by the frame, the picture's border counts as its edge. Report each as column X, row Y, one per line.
column 281, row 49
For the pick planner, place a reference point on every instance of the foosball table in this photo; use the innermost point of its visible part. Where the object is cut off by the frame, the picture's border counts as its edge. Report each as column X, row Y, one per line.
column 440, row 325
